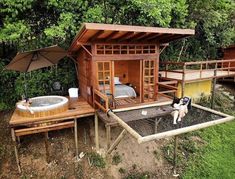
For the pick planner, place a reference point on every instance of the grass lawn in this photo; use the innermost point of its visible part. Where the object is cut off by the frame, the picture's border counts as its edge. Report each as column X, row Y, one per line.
column 217, row 158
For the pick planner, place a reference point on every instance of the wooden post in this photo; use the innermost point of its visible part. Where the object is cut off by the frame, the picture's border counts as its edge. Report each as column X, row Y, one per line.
column 176, row 137
column 76, row 136
column 201, row 70
column 47, row 147
column 96, row 132
column 16, row 149
column 117, row 141
column 183, row 81
column 213, row 88
column 175, row 155
column 156, row 124
column 108, row 135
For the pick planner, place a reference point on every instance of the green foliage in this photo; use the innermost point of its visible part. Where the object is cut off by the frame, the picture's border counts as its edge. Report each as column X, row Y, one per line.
column 7, row 87
column 39, row 82
column 116, row 159
column 122, row 170
column 44, row 23
column 14, row 30
column 96, row 160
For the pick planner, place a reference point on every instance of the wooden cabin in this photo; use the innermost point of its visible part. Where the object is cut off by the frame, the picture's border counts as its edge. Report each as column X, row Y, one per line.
column 229, row 54
column 118, row 65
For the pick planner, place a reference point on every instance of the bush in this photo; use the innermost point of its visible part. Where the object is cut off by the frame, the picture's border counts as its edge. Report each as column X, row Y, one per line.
column 96, row 160
column 116, row 159
column 38, row 82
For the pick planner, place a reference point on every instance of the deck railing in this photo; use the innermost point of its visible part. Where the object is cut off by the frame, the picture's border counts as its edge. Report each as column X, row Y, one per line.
column 101, row 101
column 213, row 65
column 167, row 87
column 202, row 66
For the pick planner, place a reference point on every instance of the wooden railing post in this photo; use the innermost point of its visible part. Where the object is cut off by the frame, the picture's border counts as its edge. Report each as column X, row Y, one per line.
column 183, row 80
column 213, row 87
column 201, row 70
column 104, row 98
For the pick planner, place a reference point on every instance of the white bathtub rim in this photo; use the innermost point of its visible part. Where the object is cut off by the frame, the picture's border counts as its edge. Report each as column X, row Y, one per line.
column 64, row 101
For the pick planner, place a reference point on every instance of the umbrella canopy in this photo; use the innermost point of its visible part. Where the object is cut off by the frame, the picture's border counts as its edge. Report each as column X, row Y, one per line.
column 35, row 59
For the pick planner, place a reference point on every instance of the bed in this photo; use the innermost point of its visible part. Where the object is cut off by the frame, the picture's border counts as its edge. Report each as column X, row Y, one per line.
column 121, row 90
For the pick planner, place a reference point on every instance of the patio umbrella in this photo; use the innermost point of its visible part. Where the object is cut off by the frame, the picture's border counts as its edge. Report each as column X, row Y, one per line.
column 36, row 59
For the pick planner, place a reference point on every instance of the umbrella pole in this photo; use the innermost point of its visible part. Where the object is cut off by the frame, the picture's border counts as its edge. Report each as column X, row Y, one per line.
column 25, row 86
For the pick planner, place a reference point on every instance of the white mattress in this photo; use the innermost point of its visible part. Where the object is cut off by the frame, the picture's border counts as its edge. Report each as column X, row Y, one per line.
column 121, row 91
column 124, row 91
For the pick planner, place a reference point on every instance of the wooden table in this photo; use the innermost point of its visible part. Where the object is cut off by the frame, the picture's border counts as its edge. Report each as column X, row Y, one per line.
column 21, row 126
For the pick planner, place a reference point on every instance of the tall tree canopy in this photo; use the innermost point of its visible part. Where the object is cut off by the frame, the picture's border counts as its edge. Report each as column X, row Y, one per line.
column 214, row 20
column 32, row 24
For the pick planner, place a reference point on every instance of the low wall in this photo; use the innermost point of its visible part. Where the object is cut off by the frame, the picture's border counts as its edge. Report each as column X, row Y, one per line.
column 196, row 90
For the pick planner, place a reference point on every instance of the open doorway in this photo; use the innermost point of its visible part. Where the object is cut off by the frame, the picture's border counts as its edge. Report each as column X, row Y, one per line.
column 127, row 82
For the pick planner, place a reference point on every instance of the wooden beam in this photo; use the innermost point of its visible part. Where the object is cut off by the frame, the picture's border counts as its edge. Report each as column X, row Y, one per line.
column 47, row 147
column 124, row 125
column 96, row 132
column 108, row 135
column 136, row 35
column 175, row 37
column 39, row 129
column 117, row 141
column 144, row 36
column 175, row 155
column 76, row 136
column 90, row 53
column 96, row 35
column 162, row 37
column 15, row 149
column 125, row 36
column 154, row 36
column 110, row 36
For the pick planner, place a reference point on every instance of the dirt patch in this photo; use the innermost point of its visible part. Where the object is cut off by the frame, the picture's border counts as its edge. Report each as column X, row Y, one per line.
column 134, row 158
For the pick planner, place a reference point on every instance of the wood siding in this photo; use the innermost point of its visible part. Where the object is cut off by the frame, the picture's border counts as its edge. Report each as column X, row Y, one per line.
column 229, row 53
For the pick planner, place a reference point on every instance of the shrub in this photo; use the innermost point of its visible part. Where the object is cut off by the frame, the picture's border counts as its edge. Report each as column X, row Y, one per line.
column 96, row 160
column 116, row 159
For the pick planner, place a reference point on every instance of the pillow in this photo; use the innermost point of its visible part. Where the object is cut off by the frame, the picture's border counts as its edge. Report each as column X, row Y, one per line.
column 116, row 81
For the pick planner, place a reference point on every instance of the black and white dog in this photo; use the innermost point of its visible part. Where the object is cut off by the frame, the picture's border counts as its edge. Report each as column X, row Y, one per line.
column 181, row 107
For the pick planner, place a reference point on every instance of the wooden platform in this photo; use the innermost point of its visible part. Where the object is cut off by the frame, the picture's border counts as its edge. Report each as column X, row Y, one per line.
column 195, row 75
column 77, row 109
column 123, row 103
column 21, row 126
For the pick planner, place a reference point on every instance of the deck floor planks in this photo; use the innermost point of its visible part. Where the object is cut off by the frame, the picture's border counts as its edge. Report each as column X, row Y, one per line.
column 195, row 74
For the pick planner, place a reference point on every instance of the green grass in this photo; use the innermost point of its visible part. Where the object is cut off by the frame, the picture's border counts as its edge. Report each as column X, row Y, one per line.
column 217, row 158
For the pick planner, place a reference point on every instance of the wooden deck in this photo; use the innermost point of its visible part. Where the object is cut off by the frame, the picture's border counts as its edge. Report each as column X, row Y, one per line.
column 122, row 103
column 21, row 126
column 77, row 109
column 195, row 75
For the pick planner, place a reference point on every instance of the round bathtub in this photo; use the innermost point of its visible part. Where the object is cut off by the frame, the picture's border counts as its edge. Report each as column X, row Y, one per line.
column 42, row 106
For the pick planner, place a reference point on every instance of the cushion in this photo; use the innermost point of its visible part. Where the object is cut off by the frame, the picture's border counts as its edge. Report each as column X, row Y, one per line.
column 116, row 81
